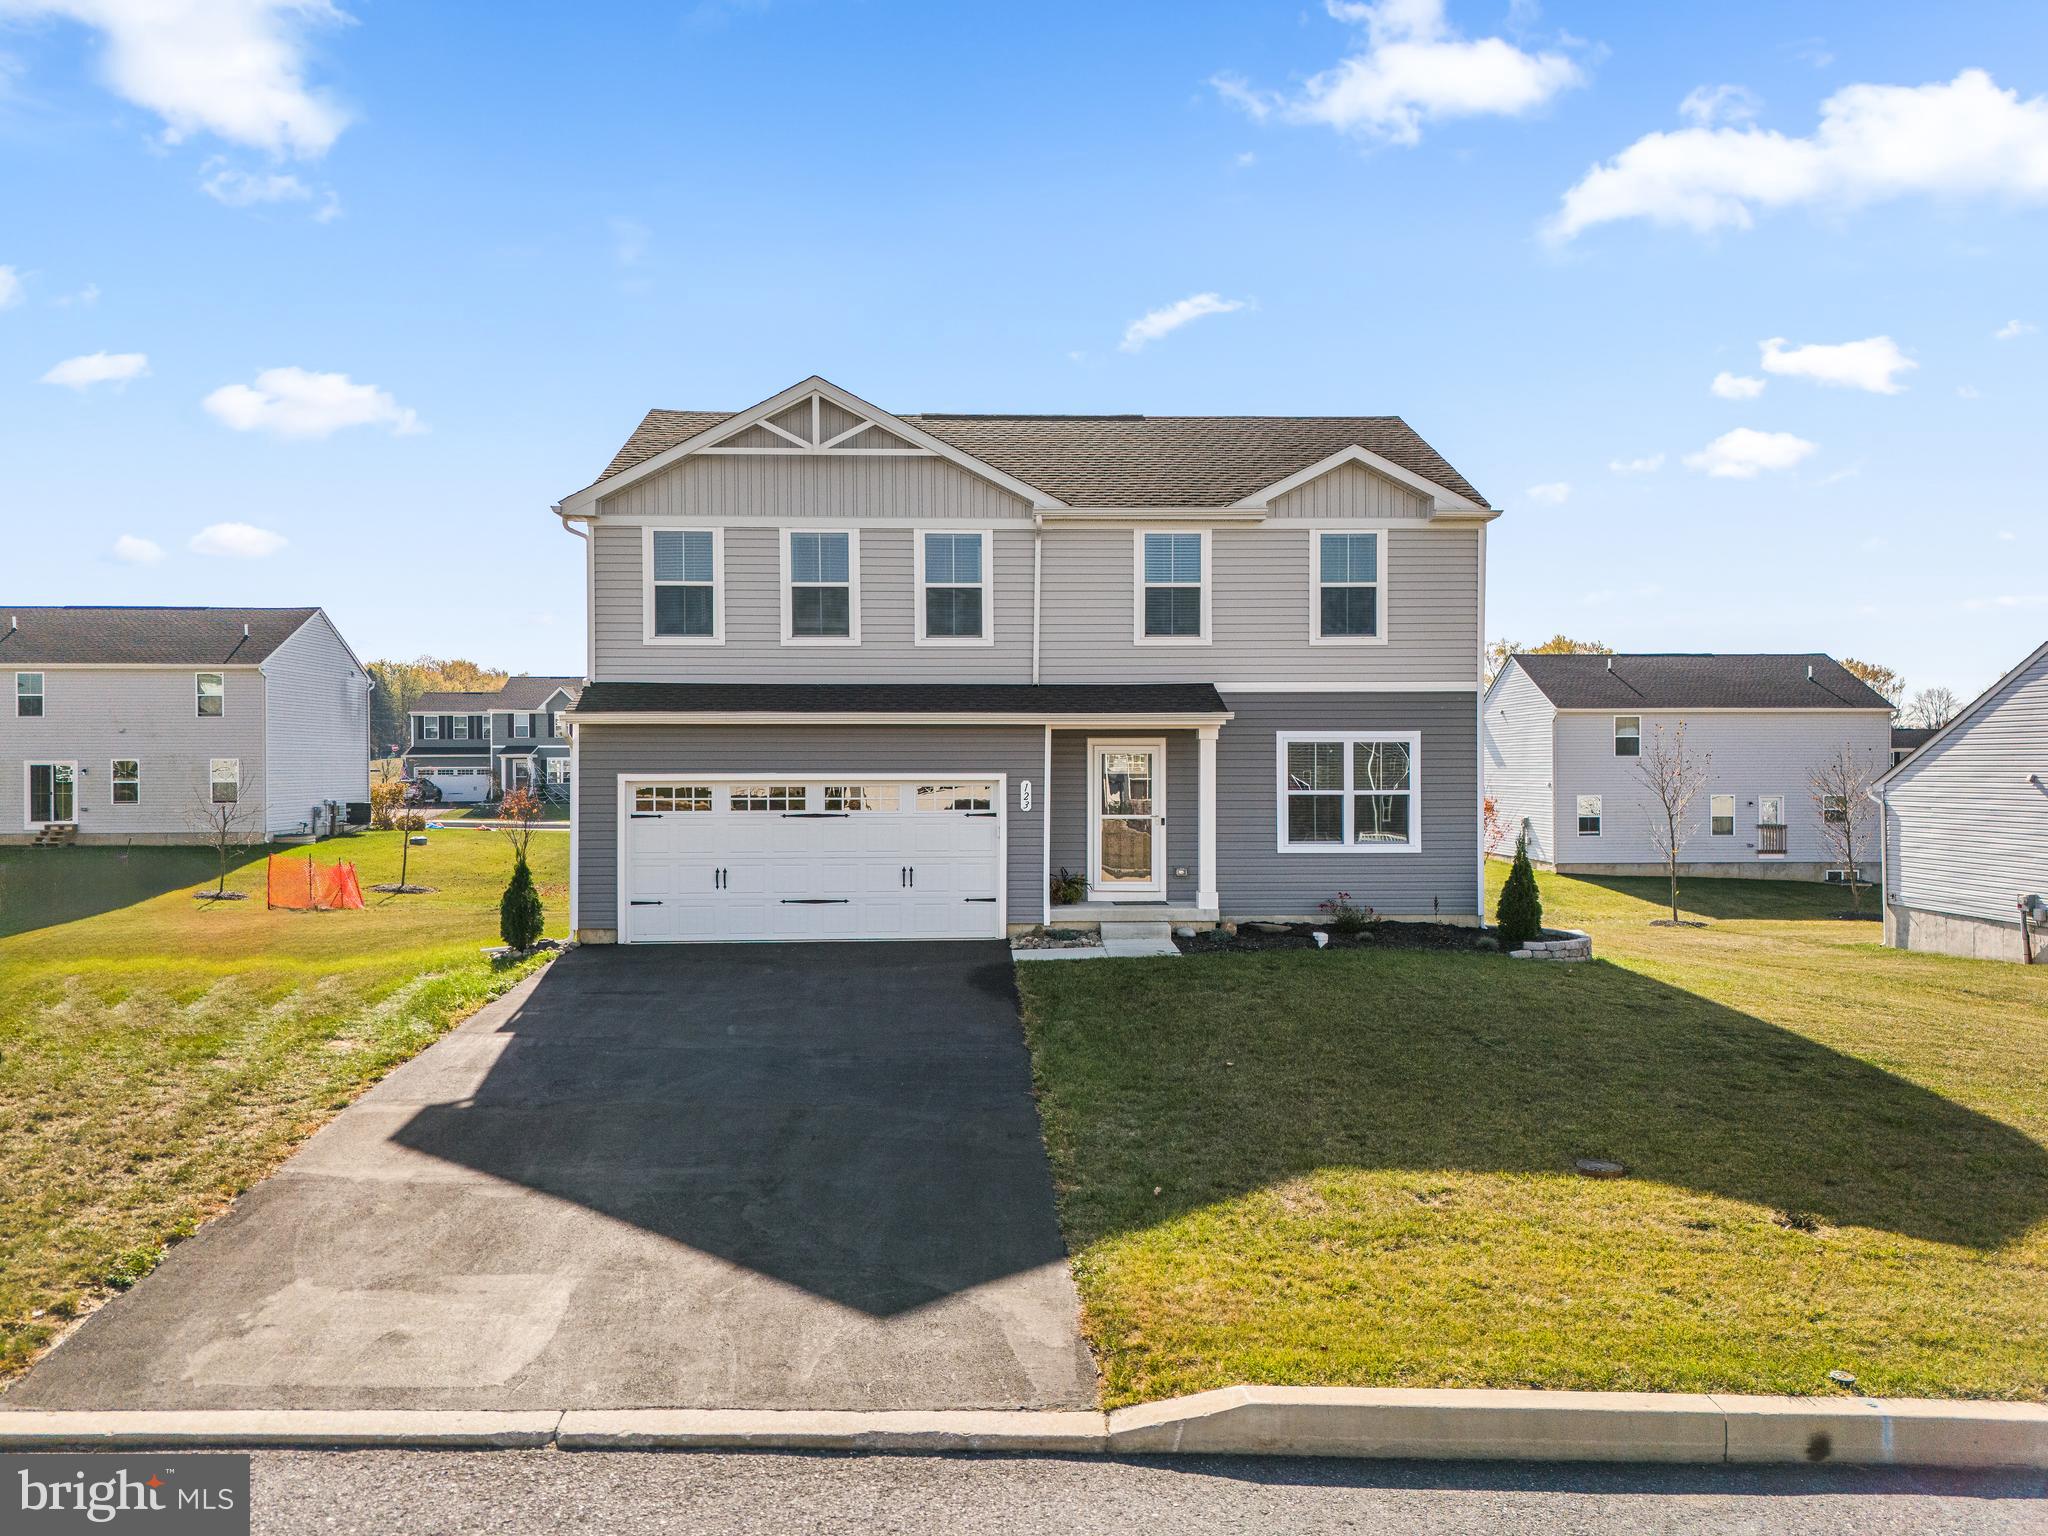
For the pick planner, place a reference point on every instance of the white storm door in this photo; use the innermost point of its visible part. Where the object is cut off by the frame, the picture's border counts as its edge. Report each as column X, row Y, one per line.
column 1127, row 820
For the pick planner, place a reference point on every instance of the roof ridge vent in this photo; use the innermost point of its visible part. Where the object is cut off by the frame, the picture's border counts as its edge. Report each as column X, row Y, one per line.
column 1610, row 663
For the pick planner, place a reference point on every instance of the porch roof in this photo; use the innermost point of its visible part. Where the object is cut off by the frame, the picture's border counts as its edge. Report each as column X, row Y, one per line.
column 629, row 703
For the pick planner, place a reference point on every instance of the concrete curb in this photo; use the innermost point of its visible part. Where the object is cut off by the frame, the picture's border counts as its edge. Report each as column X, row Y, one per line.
column 1256, row 1421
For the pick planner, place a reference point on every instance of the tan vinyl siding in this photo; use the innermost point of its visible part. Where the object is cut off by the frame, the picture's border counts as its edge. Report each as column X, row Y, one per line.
column 1518, row 721
column 1969, row 814
column 814, row 486
column 1351, row 491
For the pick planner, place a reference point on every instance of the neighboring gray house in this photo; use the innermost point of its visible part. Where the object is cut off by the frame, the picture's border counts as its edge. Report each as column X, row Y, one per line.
column 1965, row 821
column 857, row 675
column 126, row 722
column 475, row 746
column 1564, row 737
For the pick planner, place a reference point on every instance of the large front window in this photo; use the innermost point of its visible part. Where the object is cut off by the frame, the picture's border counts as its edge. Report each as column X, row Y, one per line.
column 821, row 587
column 1347, row 586
column 1353, row 791
column 1173, row 598
column 953, row 577
column 684, row 577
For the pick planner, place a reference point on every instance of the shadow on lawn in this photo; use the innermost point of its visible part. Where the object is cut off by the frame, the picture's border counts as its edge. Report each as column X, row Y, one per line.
column 42, row 887
column 1248, row 1072
column 1771, row 901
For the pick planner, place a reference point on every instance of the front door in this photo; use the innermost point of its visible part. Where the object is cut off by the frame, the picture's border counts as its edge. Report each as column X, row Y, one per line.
column 52, row 793
column 1127, row 820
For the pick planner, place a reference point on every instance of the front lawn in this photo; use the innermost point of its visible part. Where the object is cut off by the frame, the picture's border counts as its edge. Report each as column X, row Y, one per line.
column 159, row 1054
column 1357, row 1168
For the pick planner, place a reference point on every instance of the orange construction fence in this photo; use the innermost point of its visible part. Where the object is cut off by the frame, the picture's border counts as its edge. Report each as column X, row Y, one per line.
column 300, row 885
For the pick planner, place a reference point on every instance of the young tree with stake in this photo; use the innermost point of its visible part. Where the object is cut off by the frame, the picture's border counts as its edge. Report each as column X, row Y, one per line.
column 227, row 817
column 1840, row 786
column 1675, row 777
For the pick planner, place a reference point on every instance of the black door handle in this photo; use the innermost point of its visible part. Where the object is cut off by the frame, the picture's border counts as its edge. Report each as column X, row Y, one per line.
column 815, row 901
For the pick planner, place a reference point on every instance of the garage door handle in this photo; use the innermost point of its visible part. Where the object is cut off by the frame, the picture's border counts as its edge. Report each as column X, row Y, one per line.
column 989, row 814
column 815, row 901
column 646, row 815
column 645, row 903
column 990, row 899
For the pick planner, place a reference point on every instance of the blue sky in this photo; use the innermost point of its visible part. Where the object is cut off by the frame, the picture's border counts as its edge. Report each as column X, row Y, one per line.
column 405, row 274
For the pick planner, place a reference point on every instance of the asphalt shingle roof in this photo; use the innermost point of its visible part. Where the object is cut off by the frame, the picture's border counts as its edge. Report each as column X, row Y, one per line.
column 176, row 637
column 1703, row 681
column 452, row 703
column 903, row 698
column 1129, row 461
column 525, row 692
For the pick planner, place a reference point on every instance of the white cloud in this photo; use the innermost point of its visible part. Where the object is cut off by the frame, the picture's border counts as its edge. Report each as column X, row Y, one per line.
column 2008, row 601
column 242, row 189
column 1414, row 68
column 1743, row 453
column 1648, row 464
column 291, row 402
column 2006, row 536
column 1968, row 392
column 11, row 292
column 237, row 541
column 1160, row 322
column 1706, row 105
column 1736, row 386
column 1247, row 157
column 2012, row 330
column 1873, row 364
column 98, row 368
column 85, row 298
column 130, row 550
column 1552, row 493
column 232, row 68
column 1963, row 138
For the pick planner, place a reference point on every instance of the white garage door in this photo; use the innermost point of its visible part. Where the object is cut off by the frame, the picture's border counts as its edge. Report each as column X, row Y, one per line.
column 705, row 858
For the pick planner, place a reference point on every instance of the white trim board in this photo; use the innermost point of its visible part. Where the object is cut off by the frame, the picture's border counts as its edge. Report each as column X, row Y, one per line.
column 1162, row 721
column 1380, row 583
column 1348, row 793
column 648, row 584
column 1442, row 498
column 987, row 585
column 1155, row 888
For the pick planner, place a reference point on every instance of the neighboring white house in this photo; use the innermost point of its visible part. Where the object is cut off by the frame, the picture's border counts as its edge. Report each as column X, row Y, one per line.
column 1965, row 821
column 1564, row 738
column 125, row 723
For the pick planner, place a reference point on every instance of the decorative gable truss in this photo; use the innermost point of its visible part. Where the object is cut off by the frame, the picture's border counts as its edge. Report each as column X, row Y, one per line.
column 816, row 424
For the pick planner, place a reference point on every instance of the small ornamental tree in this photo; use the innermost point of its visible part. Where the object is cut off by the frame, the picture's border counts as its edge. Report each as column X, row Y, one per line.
column 1675, row 778
column 1520, row 914
column 520, row 918
column 1840, row 786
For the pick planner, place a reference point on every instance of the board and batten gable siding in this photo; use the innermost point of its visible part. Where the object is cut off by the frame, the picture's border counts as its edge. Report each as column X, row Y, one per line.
column 92, row 715
column 1256, row 879
column 318, row 704
column 1351, row 491
column 1260, row 612
column 1752, row 753
column 1969, row 813
column 604, row 752
column 753, row 650
column 809, row 487
column 1517, row 723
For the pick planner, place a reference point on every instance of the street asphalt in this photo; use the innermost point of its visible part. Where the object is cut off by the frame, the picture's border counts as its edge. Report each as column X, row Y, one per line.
column 555, row 1493
column 702, row 1176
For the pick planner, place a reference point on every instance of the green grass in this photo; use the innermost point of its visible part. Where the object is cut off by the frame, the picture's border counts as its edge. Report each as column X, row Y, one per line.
column 159, row 1054
column 1355, row 1167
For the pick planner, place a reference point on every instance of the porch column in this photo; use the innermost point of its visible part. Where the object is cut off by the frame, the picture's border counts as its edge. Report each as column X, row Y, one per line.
column 1205, row 835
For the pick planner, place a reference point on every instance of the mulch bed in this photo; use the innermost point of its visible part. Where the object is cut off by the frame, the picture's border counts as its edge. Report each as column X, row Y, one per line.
column 220, row 895
column 1254, row 937
column 405, row 890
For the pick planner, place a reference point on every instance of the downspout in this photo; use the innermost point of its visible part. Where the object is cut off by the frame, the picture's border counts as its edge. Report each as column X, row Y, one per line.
column 569, row 521
column 575, row 731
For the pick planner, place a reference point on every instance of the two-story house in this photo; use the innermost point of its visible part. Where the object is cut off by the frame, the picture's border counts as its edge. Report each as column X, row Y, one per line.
column 859, row 675
column 473, row 746
column 1565, row 738
column 128, row 723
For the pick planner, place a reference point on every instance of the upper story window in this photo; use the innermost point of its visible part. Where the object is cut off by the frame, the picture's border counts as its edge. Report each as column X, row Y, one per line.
column 1352, row 791
column 953, row 587
column 821, row 588
column 522, row 727
column 1173, row 589
column 459, row 728
column 126, row 774
column 28, row 694
column 683, row 599
column 210, row 689
column 1721, row 815
column 1347, row 587
column 430, row 727
column 1628, row 735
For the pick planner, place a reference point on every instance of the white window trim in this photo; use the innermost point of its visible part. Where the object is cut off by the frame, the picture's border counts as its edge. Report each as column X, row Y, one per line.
column 28, row 823
column 852, row 635
column 114, row 780
column 1614, row 736
column 1579, row 815
column 1283, row 739
column 522, row 725
column 647, row 585
column 213, row 778
column 223, row 695
column 1154, row 889
column 1734, row 814
column 1138, row 635
column 430, row 727
column 458, row 728
column 41, row 695
column 987, row 584
column 1315, row 584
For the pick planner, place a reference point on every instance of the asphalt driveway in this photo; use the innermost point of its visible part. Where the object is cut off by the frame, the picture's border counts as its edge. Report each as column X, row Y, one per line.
column 704, row 1176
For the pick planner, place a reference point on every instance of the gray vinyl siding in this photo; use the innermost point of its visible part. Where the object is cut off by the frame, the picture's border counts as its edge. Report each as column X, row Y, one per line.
column 1257, row 880
column 319, row 726
column 1751, row 753
column 1072, row 802
column 753, row 650
column 1349, row 491
column 1518, row 730
column 814, row 486
column 1969, row 814
column 606, row 751
column 92, row 715
column 1260, row 612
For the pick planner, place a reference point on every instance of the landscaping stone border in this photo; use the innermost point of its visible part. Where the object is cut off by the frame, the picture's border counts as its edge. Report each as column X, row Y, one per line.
column 1574, row 945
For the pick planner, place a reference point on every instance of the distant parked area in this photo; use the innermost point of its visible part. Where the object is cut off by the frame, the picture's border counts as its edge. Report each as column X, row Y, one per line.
column 1358, row 1168
column 159, row 1054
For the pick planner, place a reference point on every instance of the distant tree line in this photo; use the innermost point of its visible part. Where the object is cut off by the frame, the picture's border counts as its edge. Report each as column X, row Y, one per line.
column 401, row 682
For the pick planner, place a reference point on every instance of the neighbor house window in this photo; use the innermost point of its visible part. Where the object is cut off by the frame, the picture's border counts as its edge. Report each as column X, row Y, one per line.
column 1352, row 791
column 820, row 591
column 224, row 774
column 28, row 693
column 1173, row 596
column 861, row 797
column 127, row 777
column 557, row 726
column 1589, row 815
column 1628, row 735
column 522, row 727
column 1347, row 586
column 211, row 688
column 768, row 797
column 1721, row 815
column 952, row 575
column 683, row 578
column 430, row 727
column 1834, row 809
column 461, row 728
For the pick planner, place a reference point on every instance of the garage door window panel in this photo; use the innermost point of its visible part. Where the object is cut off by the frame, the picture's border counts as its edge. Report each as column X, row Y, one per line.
column 768, row 797
column 852, row 798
